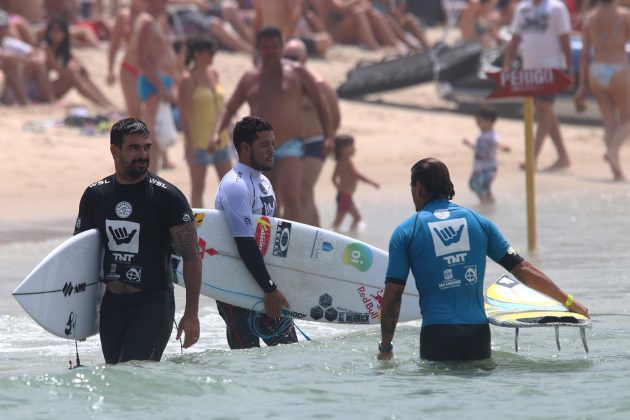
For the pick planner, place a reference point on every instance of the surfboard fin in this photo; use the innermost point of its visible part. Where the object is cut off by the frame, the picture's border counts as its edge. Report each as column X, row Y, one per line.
column 558, row 337
column 516, row 339
column 583, row 335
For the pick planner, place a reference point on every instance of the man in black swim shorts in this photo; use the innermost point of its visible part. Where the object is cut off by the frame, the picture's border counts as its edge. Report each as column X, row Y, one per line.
column 140, row 218
column 445, row 246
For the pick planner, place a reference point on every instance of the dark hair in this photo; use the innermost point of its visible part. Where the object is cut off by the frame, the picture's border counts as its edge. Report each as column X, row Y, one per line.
column 268, row 32
column 434, row 177
column 63, row 49
column 247, row 129
column 341, row 142
column 487, row 113
column 199, row 43
column 178, row 44
column 127, row 127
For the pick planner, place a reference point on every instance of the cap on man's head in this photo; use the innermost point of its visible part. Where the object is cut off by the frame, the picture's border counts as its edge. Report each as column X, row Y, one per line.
column 4, row 18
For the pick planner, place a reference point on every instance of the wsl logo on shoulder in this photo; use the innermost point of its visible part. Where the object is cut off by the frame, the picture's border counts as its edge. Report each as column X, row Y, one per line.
column 450, row 237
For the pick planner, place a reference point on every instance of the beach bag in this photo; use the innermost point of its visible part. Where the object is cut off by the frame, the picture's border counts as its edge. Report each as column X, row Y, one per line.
column 165, row 131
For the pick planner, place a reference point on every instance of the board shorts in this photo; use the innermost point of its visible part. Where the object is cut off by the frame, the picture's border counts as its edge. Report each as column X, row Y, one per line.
column 243, row 324
column 314, row 147
column 480, row 181
column 450, row 342
column 146, row 89
column 344, row 202
column 290, row 148
column 204, row 158
column 136, row 326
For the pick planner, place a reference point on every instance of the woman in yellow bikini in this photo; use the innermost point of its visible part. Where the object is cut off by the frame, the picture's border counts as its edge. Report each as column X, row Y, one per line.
column 201, row 100
column 606, row 32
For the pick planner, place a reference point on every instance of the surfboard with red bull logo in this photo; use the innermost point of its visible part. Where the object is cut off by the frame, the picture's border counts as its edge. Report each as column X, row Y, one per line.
column 325, row 276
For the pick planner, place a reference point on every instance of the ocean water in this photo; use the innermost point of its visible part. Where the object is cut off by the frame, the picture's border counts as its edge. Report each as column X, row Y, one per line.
column 582, row 244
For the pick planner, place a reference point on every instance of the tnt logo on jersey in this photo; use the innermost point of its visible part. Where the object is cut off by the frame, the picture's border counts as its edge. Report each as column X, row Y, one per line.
column 450, row 236
column 122, row 236
column 268, row 205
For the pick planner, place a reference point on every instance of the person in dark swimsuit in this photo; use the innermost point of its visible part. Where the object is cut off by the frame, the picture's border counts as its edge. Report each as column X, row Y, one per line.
column 140, row 218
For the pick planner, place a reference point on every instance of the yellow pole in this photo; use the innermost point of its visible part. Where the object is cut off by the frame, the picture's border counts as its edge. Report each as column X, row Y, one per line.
column 530, row 166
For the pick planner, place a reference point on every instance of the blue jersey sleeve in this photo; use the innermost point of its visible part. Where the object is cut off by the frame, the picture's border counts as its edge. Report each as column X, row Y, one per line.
column 497, row 244
column 399, row 264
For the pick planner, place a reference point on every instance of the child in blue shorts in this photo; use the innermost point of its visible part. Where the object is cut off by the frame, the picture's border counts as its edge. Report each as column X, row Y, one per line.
column 485, row 163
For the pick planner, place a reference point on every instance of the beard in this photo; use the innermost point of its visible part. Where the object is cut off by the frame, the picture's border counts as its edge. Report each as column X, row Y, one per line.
column 258, row 165
column 133, row 172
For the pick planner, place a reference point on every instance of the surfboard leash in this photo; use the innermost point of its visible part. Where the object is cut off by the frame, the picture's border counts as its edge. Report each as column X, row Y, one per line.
column 78, row 363
column 278, row 329
column 302, row 332
column 181, row 345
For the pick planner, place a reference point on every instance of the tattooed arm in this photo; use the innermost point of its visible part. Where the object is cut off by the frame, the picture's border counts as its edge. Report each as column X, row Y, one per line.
column 185, row 244
column 390, row 310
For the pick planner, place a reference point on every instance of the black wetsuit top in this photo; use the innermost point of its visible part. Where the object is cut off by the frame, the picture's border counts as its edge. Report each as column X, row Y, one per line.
column 134, row 222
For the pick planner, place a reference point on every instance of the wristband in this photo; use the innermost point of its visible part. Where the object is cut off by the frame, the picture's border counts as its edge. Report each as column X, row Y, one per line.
column 569, row 300
column 385, row 349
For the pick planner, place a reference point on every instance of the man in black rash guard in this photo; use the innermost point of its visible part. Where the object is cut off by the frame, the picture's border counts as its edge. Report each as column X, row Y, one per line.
column 243, row 192
column 140, row 217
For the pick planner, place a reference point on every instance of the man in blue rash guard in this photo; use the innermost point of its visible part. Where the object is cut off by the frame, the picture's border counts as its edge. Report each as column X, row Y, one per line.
column 445, row 246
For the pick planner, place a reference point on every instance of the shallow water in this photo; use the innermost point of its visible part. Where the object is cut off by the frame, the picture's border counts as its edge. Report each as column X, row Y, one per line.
column 582, row 244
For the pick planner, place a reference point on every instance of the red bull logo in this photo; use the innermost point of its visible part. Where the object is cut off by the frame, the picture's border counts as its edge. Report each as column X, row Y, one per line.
column 371, row 302
column 263, row 234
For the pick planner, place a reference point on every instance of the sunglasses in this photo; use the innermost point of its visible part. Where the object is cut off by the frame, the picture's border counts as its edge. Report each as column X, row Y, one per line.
column 292, row 57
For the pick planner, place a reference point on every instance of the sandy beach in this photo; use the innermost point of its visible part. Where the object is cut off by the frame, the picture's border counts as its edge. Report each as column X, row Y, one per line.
column 45, row 169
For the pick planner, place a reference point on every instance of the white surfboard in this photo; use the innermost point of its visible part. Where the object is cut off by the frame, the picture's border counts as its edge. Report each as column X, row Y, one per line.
column 325, row 276
column 62, row 292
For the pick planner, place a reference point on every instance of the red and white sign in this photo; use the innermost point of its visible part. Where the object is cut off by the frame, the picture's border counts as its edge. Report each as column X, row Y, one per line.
column 530, row 82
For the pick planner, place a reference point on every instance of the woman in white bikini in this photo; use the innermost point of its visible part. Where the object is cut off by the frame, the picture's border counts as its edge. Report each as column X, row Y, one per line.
column 606, row 32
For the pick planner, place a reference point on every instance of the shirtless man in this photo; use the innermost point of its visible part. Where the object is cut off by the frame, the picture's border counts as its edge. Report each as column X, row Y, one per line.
column 121, row 35
column 157, row 63
column 274, row 91
column 606, row 32
column 283, row 14
column 314, row 152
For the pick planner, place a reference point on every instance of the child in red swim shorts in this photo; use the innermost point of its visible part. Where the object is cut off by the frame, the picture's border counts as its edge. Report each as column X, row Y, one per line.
column 346, row 178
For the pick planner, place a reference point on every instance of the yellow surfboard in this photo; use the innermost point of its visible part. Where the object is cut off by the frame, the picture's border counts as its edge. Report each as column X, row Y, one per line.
column 509, row 303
